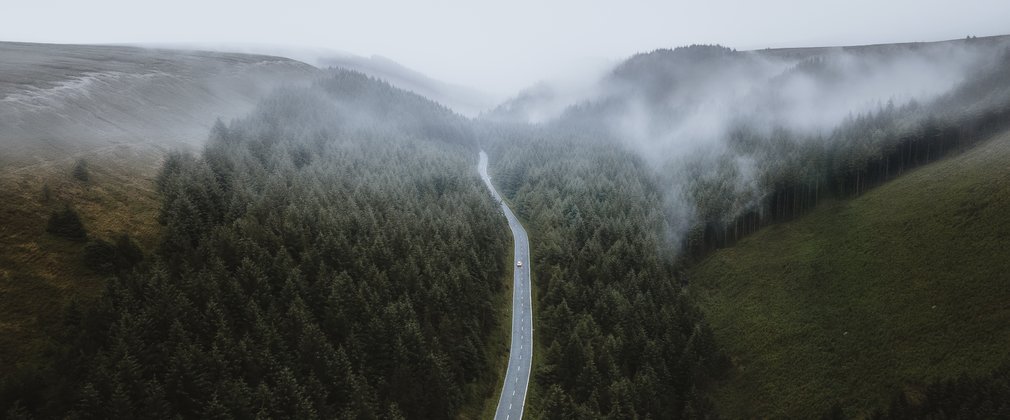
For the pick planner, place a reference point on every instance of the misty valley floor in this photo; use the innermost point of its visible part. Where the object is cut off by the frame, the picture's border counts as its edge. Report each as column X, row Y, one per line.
column 867, row 297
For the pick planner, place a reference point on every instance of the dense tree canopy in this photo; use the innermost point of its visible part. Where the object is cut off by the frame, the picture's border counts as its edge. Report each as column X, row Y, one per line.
column 619, row 338
column 334, row 254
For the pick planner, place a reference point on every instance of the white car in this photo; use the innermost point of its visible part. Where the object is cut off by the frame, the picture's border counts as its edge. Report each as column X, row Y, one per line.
column 519, row 264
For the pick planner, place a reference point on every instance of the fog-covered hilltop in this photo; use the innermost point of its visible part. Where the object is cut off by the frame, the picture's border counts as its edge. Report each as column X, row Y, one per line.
column 464, row 100
column 57, row 100
column 741, row 137
column 667, row 79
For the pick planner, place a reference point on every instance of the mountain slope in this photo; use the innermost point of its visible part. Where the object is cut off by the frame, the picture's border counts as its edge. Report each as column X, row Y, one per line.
column 464, row 100
column 739, row 139
column 666, row 81
column 117, row 109
column 41, row 273
column 863, row 298
column 58, row 100
column 316, row 252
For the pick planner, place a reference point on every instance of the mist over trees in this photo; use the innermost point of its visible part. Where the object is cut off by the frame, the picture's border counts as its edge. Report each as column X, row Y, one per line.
column 334, row 254
column 742, row 139
column 654, row 172
column 619, row 339
column 763, row 177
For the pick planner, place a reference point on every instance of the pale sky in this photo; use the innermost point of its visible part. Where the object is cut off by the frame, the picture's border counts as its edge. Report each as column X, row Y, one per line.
column 500, row 46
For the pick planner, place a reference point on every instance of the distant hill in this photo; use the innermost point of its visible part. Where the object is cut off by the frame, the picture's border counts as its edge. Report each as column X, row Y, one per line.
column 807, row 52
column 58, row 100
column 667, row 85
column 461, row 99
column 466, row 101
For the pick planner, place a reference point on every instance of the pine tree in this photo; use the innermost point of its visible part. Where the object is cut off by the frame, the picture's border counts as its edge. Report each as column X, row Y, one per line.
column 66, row 223
column 80, row 171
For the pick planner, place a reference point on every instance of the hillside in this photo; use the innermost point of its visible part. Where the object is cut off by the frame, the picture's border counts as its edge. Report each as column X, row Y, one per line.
column 59, row 100
column 330, row 243
column 462, row 99
column 675, row 81
column 41, row 273
column 740, row 139
column 863, row 298
column 118, row 109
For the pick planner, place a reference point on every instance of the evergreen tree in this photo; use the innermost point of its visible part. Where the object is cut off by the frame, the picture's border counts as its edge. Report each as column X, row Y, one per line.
column 66, row 223
column 80, row 171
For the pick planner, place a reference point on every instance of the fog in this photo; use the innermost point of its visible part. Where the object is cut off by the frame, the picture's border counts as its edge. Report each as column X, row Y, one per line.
column 670, row 103
column 709, row 120
column 502, row 47
column 723, row 128
column 57, row 100
column 697, row 101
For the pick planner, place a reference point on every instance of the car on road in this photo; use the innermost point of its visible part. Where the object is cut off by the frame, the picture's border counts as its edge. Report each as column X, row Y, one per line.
column 519, row 264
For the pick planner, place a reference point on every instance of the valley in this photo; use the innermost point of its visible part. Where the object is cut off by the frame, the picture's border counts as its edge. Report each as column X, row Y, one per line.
column 696, row 232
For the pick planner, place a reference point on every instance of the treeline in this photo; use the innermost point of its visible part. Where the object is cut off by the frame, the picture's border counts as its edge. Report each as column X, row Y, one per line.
column 617, row 338
column 795, row 172
column 333, row 255
column 981, row 397
column 966, row 397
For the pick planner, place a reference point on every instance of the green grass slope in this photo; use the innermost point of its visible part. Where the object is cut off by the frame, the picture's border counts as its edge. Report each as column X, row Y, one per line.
column 863, row 298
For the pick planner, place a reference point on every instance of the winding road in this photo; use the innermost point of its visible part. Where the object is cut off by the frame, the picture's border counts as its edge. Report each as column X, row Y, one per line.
column 517, row 378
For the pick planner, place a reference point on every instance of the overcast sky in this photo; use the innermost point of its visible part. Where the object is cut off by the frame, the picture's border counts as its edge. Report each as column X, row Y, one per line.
column 505, row 45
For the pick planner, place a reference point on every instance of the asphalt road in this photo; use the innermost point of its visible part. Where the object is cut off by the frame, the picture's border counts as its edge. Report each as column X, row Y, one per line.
column 517, row 378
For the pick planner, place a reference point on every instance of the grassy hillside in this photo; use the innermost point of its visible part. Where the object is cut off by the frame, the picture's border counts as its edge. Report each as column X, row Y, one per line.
column 57, row 100
column 41, row 273
column 120, row 109
column 863, row 298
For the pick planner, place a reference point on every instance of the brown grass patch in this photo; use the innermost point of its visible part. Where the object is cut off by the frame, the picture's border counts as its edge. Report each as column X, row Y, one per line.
column 39, row 273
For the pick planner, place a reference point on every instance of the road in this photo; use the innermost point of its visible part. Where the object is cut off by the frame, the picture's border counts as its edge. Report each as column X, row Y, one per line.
column 517, row 378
